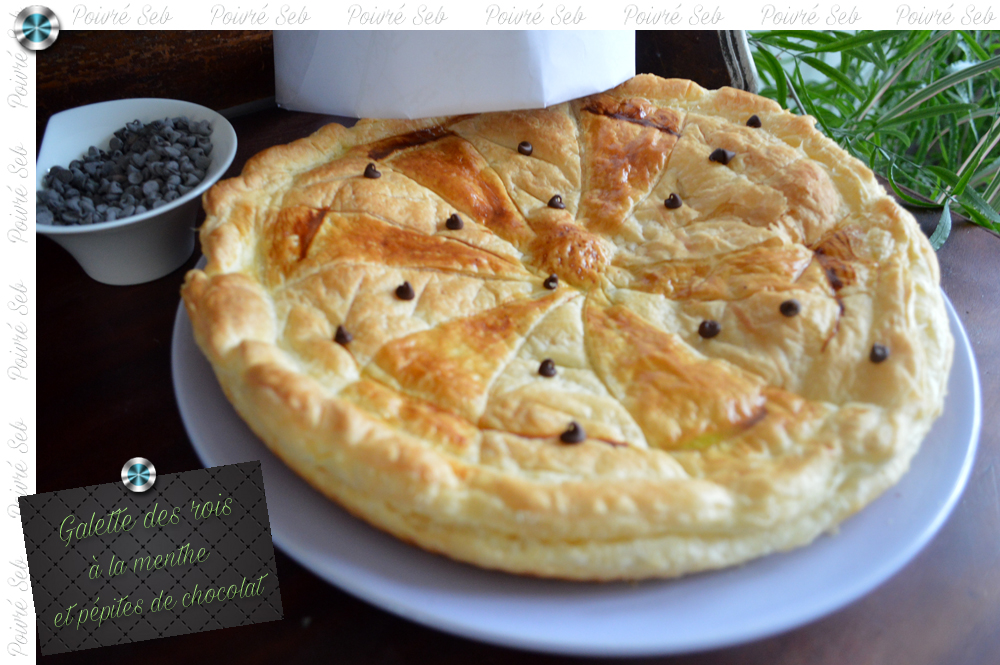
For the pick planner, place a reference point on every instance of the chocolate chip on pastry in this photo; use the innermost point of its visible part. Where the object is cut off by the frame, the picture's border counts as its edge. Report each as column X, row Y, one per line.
column 342, row 337
column 573, row 434
column 879, row 353
column 721, row 155
column 790, row 307
column 709, row 328
column 405, row 292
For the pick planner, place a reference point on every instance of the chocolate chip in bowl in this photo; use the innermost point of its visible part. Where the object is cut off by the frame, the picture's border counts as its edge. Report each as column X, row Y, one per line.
column 146, row 165
column 119, row 183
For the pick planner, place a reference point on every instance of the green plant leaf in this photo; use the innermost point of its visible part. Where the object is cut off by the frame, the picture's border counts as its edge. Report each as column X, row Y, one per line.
column 843, row 105
column 971, row 199
column 836, row 75
column 814, row 36
column 781, row 85
column 803, row 94
column 984, row 175
column 891, row 78
column 969, row 168
column 903, row 195
column 993, row 188
column 943, row 229
column 948, row 176
column 920, row 107
column 861, row 39
column 902, row 137
column 786, row 44
column 940, row 85
column 976, row 49
column 980, row 220
column 926, row 112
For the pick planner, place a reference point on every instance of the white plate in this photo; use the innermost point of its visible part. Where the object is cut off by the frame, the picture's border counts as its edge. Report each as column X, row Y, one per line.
column 709, row 610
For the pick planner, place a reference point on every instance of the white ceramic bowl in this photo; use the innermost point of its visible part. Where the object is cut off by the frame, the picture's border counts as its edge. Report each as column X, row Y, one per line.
column 142, row 247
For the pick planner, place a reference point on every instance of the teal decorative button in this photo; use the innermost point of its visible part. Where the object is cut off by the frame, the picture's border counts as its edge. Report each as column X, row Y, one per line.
column 138, row 474
column 36, row 27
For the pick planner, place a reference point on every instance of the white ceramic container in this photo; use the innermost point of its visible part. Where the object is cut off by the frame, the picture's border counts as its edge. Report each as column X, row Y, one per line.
column 142, row 247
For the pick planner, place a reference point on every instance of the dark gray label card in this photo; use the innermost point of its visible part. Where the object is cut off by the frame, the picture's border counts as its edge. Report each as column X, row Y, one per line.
column 110, row 566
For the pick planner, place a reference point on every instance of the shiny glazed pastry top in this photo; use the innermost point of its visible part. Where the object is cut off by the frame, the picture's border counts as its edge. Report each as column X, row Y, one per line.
column 647, row 332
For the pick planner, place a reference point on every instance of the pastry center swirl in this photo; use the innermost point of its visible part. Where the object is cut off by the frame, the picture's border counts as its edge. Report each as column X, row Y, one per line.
column 643, row 257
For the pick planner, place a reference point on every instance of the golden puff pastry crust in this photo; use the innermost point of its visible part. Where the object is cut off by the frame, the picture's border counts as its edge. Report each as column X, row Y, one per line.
column 743, row 344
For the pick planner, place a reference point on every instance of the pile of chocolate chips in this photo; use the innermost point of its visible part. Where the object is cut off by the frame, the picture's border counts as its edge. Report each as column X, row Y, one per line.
column 146, row 166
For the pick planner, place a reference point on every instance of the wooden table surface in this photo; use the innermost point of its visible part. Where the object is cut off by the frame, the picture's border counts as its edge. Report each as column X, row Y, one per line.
column 105, row 395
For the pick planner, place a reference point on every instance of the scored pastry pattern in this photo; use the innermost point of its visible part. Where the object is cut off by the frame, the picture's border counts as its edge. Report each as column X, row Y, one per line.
column 697, row 282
